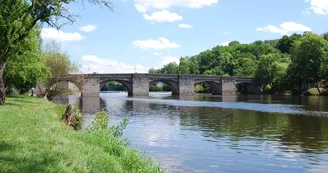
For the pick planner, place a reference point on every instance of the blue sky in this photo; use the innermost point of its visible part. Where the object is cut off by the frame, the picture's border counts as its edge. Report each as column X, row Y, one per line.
column 142, row 34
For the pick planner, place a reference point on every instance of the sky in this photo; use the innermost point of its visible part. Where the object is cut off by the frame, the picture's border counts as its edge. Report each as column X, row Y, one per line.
column 141, row 34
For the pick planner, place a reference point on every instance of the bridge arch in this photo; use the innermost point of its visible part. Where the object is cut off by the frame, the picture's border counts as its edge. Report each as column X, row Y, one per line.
column 173, row 85
column 248, row 87
column 215, row 86
column 126, row 84
column 56, row 81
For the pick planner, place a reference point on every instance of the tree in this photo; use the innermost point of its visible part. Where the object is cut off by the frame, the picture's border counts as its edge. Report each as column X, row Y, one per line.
column 26, row 65
column 325, row 36
column 309, row 56
column 232, row 43
column 154, row 71
column 170, row 68
column 59, row 64
column 272, row 69
column 285, row 43
column 17, row 20
column 183, row 66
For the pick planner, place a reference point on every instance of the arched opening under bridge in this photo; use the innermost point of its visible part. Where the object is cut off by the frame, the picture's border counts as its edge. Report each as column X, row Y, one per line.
column 164, row 86
column 213, row 87
column 116, row 86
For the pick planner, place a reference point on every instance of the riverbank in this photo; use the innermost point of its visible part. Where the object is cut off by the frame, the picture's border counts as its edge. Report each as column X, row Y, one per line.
column 33, row 140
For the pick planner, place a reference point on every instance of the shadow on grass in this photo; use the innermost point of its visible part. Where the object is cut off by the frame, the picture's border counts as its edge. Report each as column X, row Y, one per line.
column 13, row 104
column 13, row 164
column 19, row 164
column 4, row 146
column 15, row 96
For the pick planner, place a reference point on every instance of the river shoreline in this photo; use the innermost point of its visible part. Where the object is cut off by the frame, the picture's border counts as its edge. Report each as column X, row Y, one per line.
column 32, row 139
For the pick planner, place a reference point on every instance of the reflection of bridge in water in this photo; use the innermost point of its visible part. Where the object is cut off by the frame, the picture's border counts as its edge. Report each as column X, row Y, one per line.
column 139, row 84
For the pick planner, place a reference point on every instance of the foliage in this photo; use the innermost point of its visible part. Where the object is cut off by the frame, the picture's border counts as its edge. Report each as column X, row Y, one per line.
column 272, row 69
column 26, row 66
column 279, row 63
column 285, row 43
column 325, row 36
column 156, row 88
column 32, row 140
column 309, row 57
column 59, row 64
column 18, row 18
column 101, row 122
column 183, row 66
column 113, row 86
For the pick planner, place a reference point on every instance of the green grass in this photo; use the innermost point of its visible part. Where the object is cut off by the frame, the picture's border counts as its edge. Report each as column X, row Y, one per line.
column 33, row 140
column 314, row 91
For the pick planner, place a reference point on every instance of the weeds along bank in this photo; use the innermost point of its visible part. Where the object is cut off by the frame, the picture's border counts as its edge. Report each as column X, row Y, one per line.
column 32, row 139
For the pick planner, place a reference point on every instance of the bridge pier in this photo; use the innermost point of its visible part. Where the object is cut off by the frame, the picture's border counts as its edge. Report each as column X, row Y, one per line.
column 91, row 87
column 140, row 85
column 186, row 85
column 228, row 86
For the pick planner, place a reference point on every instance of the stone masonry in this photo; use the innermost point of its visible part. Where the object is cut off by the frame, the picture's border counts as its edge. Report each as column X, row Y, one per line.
column 183, row 85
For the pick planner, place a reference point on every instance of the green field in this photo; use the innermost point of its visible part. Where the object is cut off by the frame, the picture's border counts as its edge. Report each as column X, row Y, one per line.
column 32, row 139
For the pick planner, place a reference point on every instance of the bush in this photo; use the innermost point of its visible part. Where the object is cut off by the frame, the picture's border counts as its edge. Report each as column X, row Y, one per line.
column 101, row 122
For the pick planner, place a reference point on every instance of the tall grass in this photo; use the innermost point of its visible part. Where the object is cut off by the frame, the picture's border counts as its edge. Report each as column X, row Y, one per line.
column 32, row 139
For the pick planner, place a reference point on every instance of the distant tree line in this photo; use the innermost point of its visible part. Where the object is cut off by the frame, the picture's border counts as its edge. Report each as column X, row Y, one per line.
column 294, row 62
column 113, row 86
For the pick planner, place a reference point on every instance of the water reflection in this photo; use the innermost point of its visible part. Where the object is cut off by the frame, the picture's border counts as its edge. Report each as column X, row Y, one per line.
column 222, row 134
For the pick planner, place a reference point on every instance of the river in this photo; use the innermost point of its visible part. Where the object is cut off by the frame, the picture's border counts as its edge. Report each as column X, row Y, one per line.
column 204, row 133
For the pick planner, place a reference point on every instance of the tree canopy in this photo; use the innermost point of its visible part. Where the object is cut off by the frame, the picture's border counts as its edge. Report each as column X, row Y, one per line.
column 26, row 65
column 18, row 18
column 278, row 63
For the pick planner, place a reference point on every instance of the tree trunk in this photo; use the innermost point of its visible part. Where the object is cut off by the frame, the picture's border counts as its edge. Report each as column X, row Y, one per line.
column 2, row 83
column 318, row 88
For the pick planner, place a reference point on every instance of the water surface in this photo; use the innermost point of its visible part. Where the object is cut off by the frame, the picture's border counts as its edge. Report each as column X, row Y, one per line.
column 221, row 134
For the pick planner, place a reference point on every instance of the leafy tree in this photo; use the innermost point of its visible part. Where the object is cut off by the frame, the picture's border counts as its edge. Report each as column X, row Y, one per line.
column 183, row 66
column 232, row 43
column 170, row 68
column 154, row 71
column 272, row 69
column 309, row 57
column 246, row 67
column 19, row 17
column 59, row 64
column 325, row 36
column 26, row 65
column 113, row 86
column 285, row 43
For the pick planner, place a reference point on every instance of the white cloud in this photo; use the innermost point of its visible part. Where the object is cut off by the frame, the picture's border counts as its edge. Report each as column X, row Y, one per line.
column 285, row 28
column 143, row 5
column 140, row 8
column 60, row 36
column 162, row 16
column 318, row 6
column 88, row 28
column 167, row 59
column 92, row 63
column 185, row 26
column 227, row 33
column 161, row 43
column 225, row 43
column 157, row 54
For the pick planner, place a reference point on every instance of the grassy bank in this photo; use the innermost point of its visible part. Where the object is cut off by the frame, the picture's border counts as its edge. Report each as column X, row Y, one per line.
column 33, row 140
column 315, row 92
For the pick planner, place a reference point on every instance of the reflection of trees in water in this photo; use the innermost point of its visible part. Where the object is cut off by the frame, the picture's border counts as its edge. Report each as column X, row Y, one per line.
column 310, row 133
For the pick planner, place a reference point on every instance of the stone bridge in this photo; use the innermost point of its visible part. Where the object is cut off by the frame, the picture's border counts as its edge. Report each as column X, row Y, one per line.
column 138, row 84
